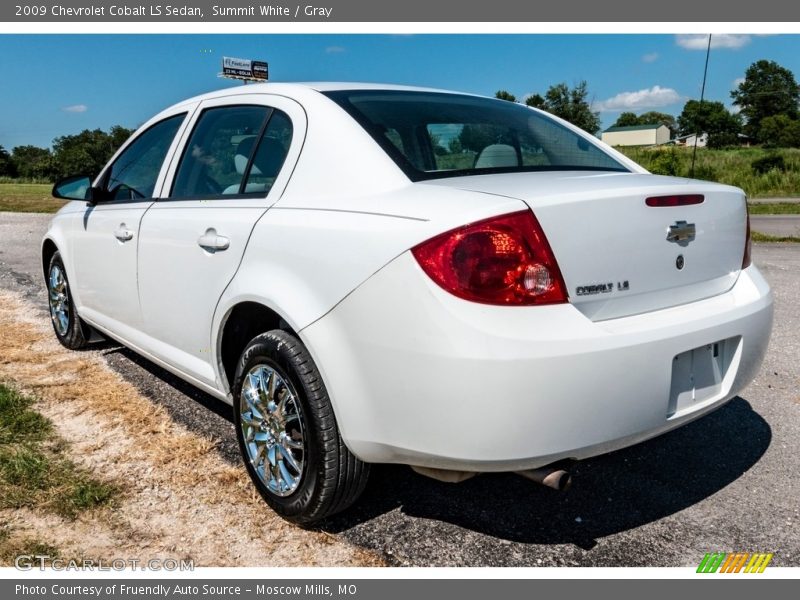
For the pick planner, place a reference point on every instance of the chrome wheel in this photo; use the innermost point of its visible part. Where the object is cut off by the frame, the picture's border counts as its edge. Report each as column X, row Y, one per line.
column 59, row 299
column 273, row 429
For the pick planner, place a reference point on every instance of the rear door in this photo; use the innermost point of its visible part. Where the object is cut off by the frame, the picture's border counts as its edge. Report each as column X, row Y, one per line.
column 233, row 167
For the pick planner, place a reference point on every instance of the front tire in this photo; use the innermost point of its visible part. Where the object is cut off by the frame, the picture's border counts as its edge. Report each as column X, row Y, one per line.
column 69, row 328
column 288, row 434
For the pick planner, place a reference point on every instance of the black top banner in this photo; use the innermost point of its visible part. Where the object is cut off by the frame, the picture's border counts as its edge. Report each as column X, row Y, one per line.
column 458, row 11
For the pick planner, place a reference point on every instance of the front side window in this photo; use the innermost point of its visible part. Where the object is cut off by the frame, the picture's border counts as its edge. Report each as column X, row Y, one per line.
column 233, row 150
column 134, row 173
column 432, row 135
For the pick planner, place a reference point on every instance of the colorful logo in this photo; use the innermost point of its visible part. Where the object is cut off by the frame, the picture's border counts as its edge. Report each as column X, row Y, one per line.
column 744, row 562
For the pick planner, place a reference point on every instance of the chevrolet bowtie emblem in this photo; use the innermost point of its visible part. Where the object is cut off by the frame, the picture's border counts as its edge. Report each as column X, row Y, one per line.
column 681, row 232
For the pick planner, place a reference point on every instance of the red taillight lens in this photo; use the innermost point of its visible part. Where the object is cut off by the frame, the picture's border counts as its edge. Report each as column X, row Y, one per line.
column 503, row 260
column 675, row 200
column 748, row 243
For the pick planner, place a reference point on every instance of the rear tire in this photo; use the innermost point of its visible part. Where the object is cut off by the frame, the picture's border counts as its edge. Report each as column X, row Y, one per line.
column 288, row 434
column 69, row 329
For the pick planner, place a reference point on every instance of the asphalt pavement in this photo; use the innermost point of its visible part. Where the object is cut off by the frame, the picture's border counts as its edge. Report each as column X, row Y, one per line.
column 727, row 482
column 777, row 225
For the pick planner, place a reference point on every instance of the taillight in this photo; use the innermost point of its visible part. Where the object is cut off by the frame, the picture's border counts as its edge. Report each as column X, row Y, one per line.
column 674, row 200
column 748, row 243
column 503, row 260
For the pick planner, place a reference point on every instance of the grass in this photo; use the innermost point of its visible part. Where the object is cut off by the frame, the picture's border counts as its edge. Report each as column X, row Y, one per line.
column 775, row 208
column 763, row 237
column 11, row 548
column 35, row 472
column 28, row 197
column 731, row 166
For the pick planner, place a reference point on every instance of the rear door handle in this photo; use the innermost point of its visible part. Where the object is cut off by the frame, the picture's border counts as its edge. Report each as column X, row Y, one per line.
column 213, row 242
column 122, row 233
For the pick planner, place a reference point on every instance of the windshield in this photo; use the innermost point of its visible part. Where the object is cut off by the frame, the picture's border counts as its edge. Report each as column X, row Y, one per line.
column 432, row 135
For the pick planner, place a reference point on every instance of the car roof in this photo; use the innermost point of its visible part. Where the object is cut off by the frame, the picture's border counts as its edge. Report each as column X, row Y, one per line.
column 293, row 89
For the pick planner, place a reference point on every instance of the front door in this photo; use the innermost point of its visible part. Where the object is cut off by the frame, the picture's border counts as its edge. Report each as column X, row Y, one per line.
column 106, row 235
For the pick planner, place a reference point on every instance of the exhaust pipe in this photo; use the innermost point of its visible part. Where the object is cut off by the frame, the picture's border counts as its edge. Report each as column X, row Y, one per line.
column 553, row 476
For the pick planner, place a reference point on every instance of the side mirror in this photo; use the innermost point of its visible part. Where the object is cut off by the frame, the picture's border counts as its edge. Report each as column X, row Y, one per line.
column 77, row 187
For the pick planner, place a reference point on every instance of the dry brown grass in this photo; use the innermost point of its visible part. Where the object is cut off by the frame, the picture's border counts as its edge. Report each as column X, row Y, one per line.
column 28, row 197
column 179, row 500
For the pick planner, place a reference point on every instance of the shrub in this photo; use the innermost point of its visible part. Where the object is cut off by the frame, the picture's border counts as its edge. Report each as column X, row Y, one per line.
column 779, row 131
column 666, row 163
column 704, row 172
column 722, row 140
column 770, row 162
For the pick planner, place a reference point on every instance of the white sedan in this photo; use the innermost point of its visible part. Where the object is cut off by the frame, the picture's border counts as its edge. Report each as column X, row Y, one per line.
column 383, row 274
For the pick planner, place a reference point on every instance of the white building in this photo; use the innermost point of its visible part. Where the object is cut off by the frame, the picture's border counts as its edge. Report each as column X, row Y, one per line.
column 637, row 135
column 702, row 140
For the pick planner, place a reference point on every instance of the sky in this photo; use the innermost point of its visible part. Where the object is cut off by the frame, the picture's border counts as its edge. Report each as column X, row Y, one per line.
column 56, row 85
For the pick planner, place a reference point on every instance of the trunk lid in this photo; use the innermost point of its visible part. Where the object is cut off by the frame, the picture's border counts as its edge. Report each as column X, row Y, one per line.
column 613, row 249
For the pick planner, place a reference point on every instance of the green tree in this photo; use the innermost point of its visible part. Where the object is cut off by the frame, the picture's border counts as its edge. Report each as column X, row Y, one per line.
column 570, row 104
column 475, row 137
column 536, row 101
column 768, row 89
column 6, row 164
column 653, row 116
column 436, row 144
column 779, row 131
column 504, row 95
column 711, row 118
column 33, row 162
column 627, row 119
column 455, row 146
column 119, row 135
column 86, row 152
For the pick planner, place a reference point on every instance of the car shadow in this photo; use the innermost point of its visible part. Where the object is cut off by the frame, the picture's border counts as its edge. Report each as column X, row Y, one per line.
column 612, row 493
column 215, row 405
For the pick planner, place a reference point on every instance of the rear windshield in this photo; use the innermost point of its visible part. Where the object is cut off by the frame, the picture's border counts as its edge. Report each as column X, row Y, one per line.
column 431, row 135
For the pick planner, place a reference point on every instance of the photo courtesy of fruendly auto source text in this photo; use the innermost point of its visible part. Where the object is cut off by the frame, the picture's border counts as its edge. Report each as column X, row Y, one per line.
column 384, row 300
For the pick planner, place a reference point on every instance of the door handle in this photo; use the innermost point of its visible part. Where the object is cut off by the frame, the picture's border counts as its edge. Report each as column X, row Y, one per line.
column 212, row 242
column 122, row 233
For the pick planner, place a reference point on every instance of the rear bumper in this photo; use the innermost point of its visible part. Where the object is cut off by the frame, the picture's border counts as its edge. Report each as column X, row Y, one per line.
column 418, row 376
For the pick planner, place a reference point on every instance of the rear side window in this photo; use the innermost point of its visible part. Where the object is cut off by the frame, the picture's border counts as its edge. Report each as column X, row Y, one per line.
column 432, row 135
column 233, row 150
column 133, row 174
column 270, row 154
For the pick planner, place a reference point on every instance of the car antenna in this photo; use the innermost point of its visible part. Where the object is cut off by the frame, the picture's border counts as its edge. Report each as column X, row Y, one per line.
column 702, row 95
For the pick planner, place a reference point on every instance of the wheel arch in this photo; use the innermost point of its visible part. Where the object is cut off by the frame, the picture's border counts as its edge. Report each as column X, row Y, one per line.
column 49, row 248
column 242, row 321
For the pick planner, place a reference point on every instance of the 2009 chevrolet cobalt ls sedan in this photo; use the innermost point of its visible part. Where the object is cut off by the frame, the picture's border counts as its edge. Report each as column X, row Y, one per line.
column 383, row 274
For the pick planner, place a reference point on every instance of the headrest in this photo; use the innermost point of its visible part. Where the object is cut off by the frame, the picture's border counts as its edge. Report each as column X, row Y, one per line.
column 267, row 161
column 269, row 157
column 243, row 151
column 497, row 155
